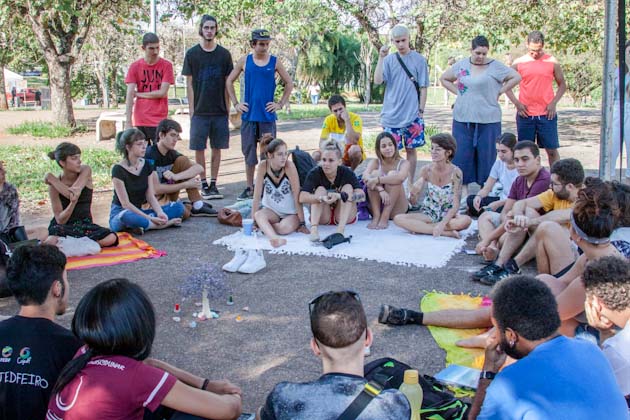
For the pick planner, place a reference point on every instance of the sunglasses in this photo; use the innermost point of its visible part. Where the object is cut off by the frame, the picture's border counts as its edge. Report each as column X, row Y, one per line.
column 314, row 301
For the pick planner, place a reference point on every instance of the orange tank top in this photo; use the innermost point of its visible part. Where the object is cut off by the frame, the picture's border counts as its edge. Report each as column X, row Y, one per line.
column 536, row 88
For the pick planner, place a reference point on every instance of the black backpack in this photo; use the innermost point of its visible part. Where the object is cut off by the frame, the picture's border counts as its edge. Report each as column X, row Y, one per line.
column 437, row 402
column 304, row 162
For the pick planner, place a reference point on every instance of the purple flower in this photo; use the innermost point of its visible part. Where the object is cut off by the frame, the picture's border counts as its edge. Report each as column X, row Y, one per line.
column 207, row 276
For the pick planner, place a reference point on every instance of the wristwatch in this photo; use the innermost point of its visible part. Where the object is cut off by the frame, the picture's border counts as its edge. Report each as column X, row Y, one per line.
column 486, row 374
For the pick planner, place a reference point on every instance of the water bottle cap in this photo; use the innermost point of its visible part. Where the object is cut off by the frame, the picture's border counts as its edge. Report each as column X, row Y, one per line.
column 411, row 376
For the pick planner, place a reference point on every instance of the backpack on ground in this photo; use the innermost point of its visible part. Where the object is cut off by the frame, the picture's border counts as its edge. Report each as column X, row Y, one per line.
column 303, row 161
column 437, row 402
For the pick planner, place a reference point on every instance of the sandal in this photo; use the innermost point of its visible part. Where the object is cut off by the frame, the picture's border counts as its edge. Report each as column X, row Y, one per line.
column 335, row 239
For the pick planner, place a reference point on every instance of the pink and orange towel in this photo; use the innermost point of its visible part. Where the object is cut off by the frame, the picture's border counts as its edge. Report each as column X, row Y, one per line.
column 129, row 249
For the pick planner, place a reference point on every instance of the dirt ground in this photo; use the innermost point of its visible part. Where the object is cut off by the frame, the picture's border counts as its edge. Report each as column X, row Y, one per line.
column 578, row 129
column 271, row 342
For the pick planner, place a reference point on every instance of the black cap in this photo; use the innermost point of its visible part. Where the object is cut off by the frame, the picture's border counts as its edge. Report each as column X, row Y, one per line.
column 261, row 35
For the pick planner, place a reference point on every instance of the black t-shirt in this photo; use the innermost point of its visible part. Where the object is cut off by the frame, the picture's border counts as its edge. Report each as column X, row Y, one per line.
column 33, row 353
column 135, row 185
column 161, row 163
column 209, row 70
column 317, row 178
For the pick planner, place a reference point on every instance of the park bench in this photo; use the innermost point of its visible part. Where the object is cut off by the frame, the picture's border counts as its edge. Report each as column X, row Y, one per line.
column 108, row 124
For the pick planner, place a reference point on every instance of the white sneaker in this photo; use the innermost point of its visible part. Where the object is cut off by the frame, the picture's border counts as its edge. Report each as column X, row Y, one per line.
column 255, row 262
column 240, row 256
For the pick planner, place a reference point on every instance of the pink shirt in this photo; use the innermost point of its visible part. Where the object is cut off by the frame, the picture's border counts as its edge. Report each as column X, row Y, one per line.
column 149, row 78
column 111, row 388
column 536, row 87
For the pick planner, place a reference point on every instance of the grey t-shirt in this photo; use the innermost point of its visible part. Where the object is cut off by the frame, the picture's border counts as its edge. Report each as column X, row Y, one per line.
column 400, row 106
column 477, row 98
column 327, row 397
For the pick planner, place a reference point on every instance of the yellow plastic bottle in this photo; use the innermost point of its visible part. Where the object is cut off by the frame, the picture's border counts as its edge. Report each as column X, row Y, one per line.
column 413, row 391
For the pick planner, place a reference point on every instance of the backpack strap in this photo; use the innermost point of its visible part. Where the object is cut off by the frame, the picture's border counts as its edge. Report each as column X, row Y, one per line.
column 410, row 76
column 370, row 390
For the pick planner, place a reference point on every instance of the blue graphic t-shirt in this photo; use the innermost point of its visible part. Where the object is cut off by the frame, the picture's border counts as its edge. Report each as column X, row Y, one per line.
column 327, row 397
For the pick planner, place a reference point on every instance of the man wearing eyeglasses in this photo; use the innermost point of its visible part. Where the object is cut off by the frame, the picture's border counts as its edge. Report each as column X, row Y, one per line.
column 536, row 117
column 555, row 205
column 340, row 334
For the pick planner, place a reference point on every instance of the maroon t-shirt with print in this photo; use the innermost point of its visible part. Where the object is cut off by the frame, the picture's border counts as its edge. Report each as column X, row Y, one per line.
column 521, row 191
column 111, row 387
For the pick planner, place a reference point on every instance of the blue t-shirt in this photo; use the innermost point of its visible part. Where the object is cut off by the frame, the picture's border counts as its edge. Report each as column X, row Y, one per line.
column 563, row 378
column 327, row 397
column 400, row 105
column 260, row 86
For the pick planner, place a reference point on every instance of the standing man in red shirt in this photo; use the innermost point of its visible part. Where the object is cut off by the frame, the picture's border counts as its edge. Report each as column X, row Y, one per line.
column 536, row 117
column 148, row 80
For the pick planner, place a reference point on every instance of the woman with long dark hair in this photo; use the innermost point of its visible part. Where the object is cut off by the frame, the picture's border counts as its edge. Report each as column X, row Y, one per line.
column 386, row 178
column 112, row 377
column 71, row 199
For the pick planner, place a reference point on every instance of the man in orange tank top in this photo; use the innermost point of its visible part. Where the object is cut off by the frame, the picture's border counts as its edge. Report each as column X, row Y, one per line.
column 536, row 117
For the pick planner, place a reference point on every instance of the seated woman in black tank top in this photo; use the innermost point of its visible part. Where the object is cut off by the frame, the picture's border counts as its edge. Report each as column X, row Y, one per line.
column 71, row 199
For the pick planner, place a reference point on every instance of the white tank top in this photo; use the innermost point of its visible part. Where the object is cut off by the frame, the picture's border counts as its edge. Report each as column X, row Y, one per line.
column 278, row 197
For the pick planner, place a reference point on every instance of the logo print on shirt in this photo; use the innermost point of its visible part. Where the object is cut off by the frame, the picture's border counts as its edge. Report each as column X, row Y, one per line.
column 7, row 351
column 25, row 356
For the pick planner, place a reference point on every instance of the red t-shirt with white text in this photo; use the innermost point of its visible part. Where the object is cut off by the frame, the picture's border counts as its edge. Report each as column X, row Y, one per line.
column 111, row 387
column 149, row 78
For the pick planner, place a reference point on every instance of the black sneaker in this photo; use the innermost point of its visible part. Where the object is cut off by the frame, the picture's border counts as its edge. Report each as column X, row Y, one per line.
column 247, row 194
column 391, row 315
column 205, row 210
column 206, row 193
column 213, row 193
column 495, row 277
column 484, row 272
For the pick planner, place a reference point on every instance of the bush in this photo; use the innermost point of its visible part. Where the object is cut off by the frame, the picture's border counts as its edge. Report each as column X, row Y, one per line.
column 45, row 129
column 26, row 167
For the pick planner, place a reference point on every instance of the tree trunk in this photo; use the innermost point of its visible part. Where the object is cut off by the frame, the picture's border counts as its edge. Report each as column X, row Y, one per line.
column 113, row 90
column 60, row 96
column 3, row 94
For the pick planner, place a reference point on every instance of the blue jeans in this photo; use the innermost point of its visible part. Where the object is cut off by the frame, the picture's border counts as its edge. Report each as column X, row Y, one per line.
column 121, row 219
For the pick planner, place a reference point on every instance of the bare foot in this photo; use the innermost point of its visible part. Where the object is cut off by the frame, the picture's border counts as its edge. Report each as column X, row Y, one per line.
column 277, row 242
column 452, row 234
column 373, row 224
column 478, row 341
column 490, row 253
column 383, row 224
column 314, row 236
column 174, row 222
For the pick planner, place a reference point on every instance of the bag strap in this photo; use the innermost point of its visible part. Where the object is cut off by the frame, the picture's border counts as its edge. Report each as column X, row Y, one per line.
column 370, row 390
column 410, row 76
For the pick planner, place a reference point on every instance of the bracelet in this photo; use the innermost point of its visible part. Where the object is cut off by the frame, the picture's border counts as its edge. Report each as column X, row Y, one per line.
column 205, row 384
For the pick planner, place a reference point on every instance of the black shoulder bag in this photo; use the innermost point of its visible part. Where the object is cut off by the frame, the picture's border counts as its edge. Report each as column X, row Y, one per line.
column 370, row 390
column 410, row 76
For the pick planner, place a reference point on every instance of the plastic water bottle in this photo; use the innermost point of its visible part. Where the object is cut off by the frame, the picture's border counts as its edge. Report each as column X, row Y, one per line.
column 413, row 391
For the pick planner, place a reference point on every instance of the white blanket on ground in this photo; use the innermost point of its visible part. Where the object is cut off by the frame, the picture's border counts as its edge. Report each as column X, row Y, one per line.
column 392, row 245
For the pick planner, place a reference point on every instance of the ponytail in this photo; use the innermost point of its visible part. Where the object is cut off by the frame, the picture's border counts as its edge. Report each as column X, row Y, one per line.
column 71, row 370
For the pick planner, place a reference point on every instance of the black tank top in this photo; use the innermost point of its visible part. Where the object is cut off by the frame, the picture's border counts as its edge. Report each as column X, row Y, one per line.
column 82, row 208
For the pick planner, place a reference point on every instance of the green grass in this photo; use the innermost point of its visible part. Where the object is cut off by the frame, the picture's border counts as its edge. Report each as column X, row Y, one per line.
column 369, row 139
column 26, row 167
column 45, row 129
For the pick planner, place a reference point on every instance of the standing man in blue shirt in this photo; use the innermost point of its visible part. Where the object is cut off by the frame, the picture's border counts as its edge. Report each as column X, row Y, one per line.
column 404, row 102
column 258, row 106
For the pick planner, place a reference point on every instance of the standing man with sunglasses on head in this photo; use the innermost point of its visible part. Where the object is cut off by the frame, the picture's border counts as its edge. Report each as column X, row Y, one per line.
column 206, row 67
column 340, row 335
column 536, row 117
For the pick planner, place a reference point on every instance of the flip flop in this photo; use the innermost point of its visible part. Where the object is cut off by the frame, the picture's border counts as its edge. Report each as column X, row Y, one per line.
column 335, row 239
